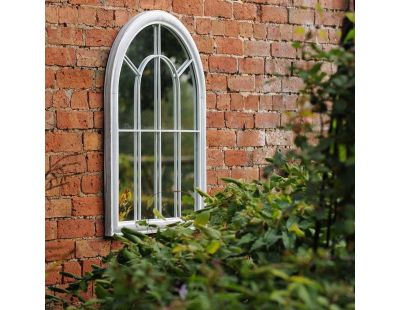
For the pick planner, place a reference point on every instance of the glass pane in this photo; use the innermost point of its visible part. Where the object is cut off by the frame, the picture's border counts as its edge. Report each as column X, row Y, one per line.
column 167, row 98
column 172, row 47
column 141, row 46
column 187, row 169
column 126, row 97
column 187, row 100
column 167, row 174
column 126, row 194
column 147, row 96
column 147, row 170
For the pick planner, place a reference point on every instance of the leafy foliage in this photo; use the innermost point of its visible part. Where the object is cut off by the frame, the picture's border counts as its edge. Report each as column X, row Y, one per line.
column 285, row 243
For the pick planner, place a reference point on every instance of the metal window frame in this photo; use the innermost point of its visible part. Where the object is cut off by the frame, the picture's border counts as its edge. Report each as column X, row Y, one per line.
column 111, row 129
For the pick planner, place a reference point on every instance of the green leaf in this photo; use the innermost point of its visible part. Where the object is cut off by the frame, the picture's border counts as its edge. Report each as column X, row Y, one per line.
column 158, row 214
column 202, row 219
column 213, row 246
column 150, row 202
column 178, row 248
column 351, row 17
column 297, row 231
column 188, row 199
column 210, row 232
column 101, row 292
column 350, row 35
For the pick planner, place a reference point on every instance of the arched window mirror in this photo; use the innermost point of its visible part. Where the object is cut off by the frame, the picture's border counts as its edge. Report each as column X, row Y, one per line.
column 154, row 124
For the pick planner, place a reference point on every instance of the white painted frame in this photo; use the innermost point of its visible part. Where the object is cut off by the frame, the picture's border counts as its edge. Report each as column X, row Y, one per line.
column 111, row 128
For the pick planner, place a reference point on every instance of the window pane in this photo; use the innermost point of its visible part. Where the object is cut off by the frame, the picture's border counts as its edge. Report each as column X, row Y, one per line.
column 141, row 46
column 187, row 99
column 187, row 169
column 172, row 47
column 147, row 96
column 167, row 98
column 126, row 194
column 125, row 97
column 167, row 174
column 147, row 174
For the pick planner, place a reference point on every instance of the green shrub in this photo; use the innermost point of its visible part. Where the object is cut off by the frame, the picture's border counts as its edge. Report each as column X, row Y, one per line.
column 285, row 243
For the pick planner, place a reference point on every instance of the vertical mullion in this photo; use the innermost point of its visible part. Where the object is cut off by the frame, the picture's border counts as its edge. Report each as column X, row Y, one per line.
column 135, row 150
column 157, row 51
column 179, row 151
column 156, row 134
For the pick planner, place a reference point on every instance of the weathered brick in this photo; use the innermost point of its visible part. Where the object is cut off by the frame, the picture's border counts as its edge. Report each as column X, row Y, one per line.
column 260, row 31
column 203, row 25
column 280, row 32
column 188, row 22
column 223, row 64
column 60, row 99
column 251, row 66
column 88, row 2
column 49, row 120
column 87, row 206
column 67, row 15
column 71, row 186
column 53, row 277
column 86, row 264
column 251, row 138
column 215, row 157
column 211, row 177
column 59, row 56
column 95, row 99
column 121, row 17
column 241, row 83
column 215, row 82
column 223, row 101
column 245, row 11
column 280, row 138
column 92, row 184
column 204, row 44
column 74, row 78
column 49, row 78
column 268, row 84
column 218, row 8
column 48, row 99
column 267, row 120
column 251, row 173
column 92, row 141
column 215, row 120
column 257, row 48
column 301, row 17
column 100, row 37
column 279, row 66
column 59, row 249
column 223, row 173
column 193, row 7
column 92, row 248
column 99, row 227
column 164, row 5
column 306, row 3
column 75, row 228
column 329, row 18
column 64, row 35
column 251, row 102
column 225, row 138
column 238, row 173
column 51, row 14
column 265, row 103
column 211, row 101
column 91, row 58
column 246, row 29
column 204, row 62
column 50, row 230
column 71, row 267
column 79, row 100
column 87, row 16
column 74, row 120
column 63, row 142
column 68, row 163
column 335, row 4
column 292, row 84
column 273, row 14
column 239, row 120
column 259, row 155
column 283, row 49
column 237, row 158
column 98, row 119
column 104, row 18
column 95, row 161
column 123, row 3
column 237, row 102
column 229, row 46
column 228, row 28
column 58, row 208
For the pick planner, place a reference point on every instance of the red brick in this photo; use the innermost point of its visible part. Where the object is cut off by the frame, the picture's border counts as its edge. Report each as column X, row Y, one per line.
column 260, row 154
column 290, row 102
column 274, row 14
column 237, row 158
column 306, row 3
column 239, row 120
column 278, row 103
column 223, row 101
column 188, row 22
column 211, row 101
column 74, row 120
column 99, row 227
column 251, row 138
column 51, row 14
column 51, row 230
column 59, row 56
column 58, row 208
column 75, row 228
column 301, row 17
column 86, row 265
column 277, row 66
column 95, row 99
column 223, row 173
column 218, row 8
column 251, row 102
column 72, row 267
column 87, row 206
column 60, row 99
column 265, row 103
column 245, row 11
column 98, row 119
column 241, row 83
column 228, row 28
column 99, row 78
column 193, row 7
column 48, row 99
column 280, row 32
column 334, row 4
column 121, row 17
column 67, row 15
column 91, row 58
column 260, row 31
column 59, row 249
column 251, row 174
column 164, row 5
column 71, row 186
column 215, row 120
column 53, row 277
column 49, row 78
column 123, row 3
column 79, row 100
column 211, row 177
column 68, row 163
column 92, row 141
column 203, row 25
column 215, row 157
column 267, row 120
column 268, row 85
column 95, row 161
column 204, row 44
column 280, row 137
column 49, row 120
column 329, row 18
column 251, row 65
column 223, row 64
column 92, row 248
column 292, row 84
column 246, row 29
column 74, row 78
column 87, row 16
column 64, row 35
column 215, row 82
column 104, row 18
column 238, row 173
column 237, row 102
column 92, row 184
column 52, row 188
column 229, row 46
column 225, row 138
column 283, row 49
column 63, row 142
column 257, row 48
column 88, row 2
column 100, row 37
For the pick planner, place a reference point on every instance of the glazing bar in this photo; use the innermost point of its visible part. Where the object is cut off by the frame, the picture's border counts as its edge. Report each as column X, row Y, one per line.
column 131, row 65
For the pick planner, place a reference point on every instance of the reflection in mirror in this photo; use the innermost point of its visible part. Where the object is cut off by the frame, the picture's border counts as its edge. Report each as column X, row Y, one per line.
column 126, row 194
column 126, row 97
column 187, row 169
column 147, row 96
column 167, row 174
column 167, row 98
column 188, row 99
column 172, row 47
column 141, row 46
column 147, row 175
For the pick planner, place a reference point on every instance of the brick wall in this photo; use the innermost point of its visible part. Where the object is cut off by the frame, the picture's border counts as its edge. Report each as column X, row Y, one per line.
column 241, row 44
